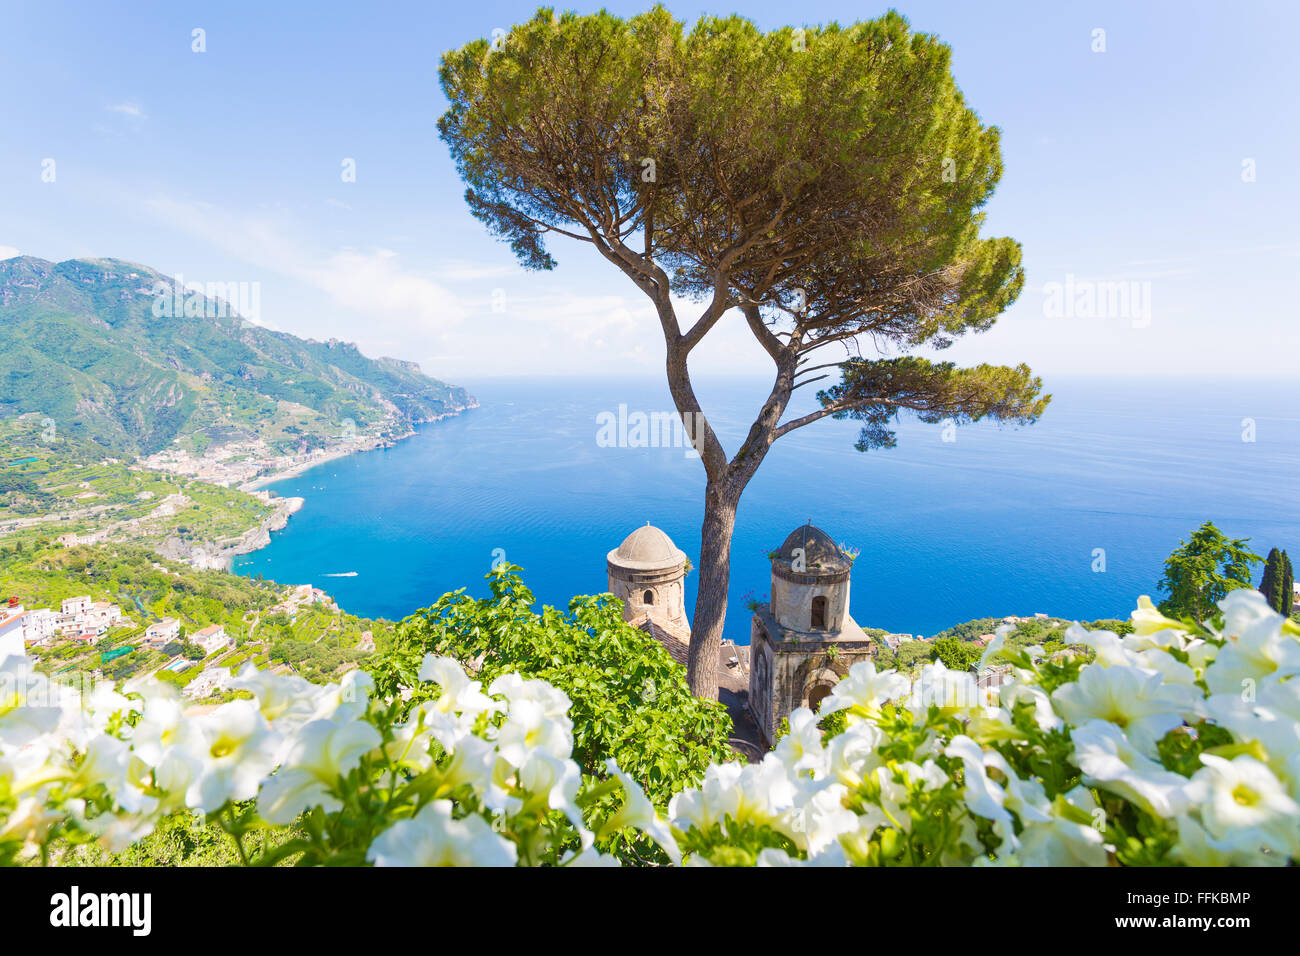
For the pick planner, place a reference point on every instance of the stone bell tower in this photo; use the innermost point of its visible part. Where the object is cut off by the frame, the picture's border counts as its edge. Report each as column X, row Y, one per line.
column 804, row 641
column 648, row 573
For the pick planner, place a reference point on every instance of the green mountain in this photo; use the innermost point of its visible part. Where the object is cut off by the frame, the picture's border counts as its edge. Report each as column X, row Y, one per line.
column 85, row 343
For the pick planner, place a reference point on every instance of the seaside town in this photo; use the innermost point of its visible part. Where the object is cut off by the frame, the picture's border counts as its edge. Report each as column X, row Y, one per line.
column 80, row 625
column 247, row 465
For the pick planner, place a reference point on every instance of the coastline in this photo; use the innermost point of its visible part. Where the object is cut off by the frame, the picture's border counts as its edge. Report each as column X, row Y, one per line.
column 326, row 455
column 260, row 537
column 257, row 538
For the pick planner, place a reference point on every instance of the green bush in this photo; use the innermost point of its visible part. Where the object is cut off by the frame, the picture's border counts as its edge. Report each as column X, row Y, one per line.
column 630, row 698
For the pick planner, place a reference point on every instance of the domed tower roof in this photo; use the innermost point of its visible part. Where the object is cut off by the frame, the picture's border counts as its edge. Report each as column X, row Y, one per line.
column 821, row 555
column 647, row 549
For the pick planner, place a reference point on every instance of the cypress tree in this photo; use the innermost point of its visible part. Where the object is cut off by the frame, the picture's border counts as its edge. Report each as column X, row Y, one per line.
column 1288, row 586
column 1270, row 585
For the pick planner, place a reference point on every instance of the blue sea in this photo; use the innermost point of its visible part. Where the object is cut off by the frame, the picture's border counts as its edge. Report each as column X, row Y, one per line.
column 1072, row 516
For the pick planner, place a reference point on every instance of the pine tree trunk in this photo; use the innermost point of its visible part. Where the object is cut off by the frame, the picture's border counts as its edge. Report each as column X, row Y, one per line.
column 720, row 503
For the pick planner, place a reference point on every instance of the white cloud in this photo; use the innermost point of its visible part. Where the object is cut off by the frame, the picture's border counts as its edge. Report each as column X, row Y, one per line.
column 464, row 270
column 129, row 108
column 8, row 252
column 374, row 283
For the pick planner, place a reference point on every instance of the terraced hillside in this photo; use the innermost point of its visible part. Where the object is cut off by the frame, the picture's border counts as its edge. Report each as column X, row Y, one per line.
column 81, row 344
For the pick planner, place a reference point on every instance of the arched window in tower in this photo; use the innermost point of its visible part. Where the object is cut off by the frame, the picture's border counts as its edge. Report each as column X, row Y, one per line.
column 648, row 597
column 817, row 694
column 819, row 613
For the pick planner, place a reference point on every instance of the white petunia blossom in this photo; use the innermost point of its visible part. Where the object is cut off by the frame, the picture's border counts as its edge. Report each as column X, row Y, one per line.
column 322, row 751
column 1259, row 645
column 1140, row 702
column 537, row 717
column 1108, row 760
column 801, row 749
column 863, row 691
column 1248, row 806
column 434, row 838
column 234, row 749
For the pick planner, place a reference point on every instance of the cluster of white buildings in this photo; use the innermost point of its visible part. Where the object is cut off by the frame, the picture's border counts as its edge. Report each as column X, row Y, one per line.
column 78, row 617
column 87, row 620
column 211, row 639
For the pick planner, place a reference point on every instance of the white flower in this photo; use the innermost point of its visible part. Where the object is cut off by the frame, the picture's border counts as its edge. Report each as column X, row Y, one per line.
column 285, row 700
column 852, row 757
column 948, row 690
column 771, row 856
column 1151, row 626
column 321, row 753
column 161, row 716
column 459, row 694
column 346, row 700
column 823, row 819
column 1266, row 724
column 234, row 748
column 1258, row 645
column 984, row 796
column 833, row 855
column 538, row 717
column 1167, row 666
column 755, row 794
column 1140, row 702
column 1107, row 646
column 1069, row 837
column 28, row 823
column 863, row 691
column 1044, row 715
column 1248, row 805
column 640, row 813
column 1196, row 847
column 1109, row 761
column 30, row 706
column 94, row 713
column 801, row 749
column 472, row 763
column 1200, row 655
column 993, row 723
column 433, row 838
column 553, row 783
column 590, row 857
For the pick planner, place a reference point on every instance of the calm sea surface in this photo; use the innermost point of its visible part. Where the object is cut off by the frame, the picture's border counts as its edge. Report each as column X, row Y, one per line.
column 998, row 521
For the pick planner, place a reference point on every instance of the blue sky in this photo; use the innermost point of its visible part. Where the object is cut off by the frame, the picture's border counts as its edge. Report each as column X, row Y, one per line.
column 1120, row 166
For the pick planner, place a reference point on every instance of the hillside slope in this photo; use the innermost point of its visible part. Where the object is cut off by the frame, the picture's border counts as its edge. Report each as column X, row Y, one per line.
column 81, row 344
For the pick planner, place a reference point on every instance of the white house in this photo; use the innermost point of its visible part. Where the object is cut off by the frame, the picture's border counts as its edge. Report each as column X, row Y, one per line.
column 211, row 638
column 11, row 631
column 101, row 612
column 208, row 682
column 76, row 606
column 161, row 633
column 39, row 625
